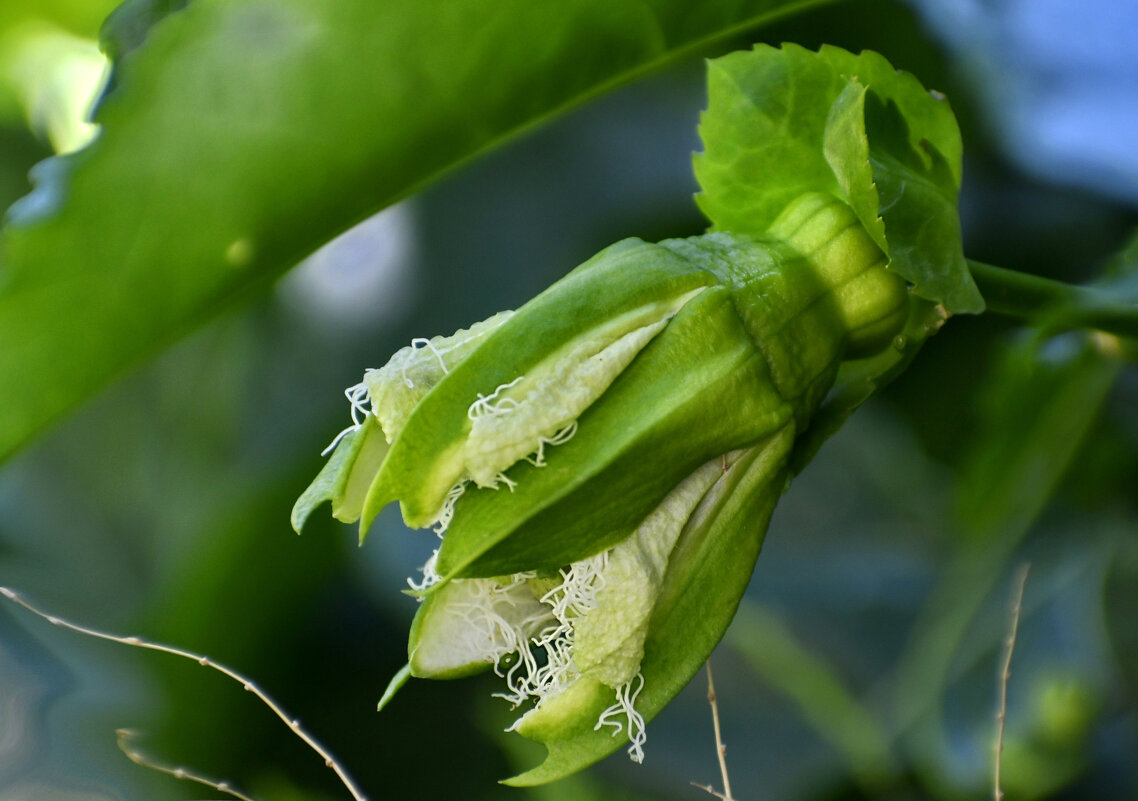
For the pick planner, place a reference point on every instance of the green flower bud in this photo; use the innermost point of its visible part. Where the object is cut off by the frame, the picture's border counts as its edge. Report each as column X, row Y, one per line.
column 602, row 463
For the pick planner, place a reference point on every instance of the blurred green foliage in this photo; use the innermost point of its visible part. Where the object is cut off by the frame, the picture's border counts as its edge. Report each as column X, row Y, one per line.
column 244, row 135
column 161, row 506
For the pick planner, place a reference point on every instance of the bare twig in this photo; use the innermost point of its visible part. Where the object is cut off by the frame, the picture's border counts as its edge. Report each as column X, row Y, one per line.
column 134, row 755
column 204, row 661
column 708, row 788
column 1006, row 673
column 720, row 748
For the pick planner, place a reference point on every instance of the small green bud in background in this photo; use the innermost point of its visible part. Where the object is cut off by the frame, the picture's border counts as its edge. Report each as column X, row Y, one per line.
column 602, row 464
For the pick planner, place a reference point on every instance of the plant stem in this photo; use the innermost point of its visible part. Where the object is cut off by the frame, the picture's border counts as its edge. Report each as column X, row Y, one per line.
column 720, row 748
column 124, row 736
column 1006, row 674
column 1054, row 305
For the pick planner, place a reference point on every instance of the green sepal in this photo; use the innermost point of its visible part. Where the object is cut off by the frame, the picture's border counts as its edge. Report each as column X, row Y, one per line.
column 782, row 302
column 394, row 686
column 700, row 389
column 858, row 379
column 421, row 467
column 345, row 478
column 706, row 575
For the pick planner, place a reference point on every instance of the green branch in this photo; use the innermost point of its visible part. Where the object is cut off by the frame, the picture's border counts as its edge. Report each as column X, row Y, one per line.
column 1054, row 305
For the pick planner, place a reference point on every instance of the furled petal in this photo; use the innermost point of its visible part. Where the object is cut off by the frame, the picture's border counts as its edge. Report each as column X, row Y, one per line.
column 623, row 288
column 707, row 572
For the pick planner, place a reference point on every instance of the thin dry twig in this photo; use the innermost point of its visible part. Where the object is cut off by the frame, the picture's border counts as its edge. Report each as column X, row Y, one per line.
column 708, row 788
column 720, row 748
column 124, row 736
column 1006, row 673
column 204, row 661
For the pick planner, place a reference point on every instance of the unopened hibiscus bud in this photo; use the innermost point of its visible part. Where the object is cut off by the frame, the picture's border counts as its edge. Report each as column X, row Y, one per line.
column 602, row 464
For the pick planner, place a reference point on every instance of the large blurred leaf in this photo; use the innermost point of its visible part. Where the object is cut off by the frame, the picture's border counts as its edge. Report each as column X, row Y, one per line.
column 128, row 25
column 81, row 17
column 1121, row 599
column 242, row 135
column 1042, row 403
column 817, row 691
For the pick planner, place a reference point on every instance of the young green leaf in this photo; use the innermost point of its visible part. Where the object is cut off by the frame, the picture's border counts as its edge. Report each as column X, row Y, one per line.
column 846, row 149
column 918, row 204
column 784, row 121
column 763, row 135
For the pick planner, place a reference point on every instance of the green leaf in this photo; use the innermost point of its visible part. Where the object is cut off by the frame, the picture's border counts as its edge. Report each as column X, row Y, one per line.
column 242, row 135
column 928, row 114
column 80, row 17
column 818, row 692
column 918, row 204
column 1040, row 409
column 128, row 25
column 781, row 122
column 1121, row 591
column 846, row 149
column 763, row 135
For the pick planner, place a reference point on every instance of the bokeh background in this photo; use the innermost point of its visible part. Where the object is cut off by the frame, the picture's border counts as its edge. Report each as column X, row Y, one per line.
column 863, row 664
